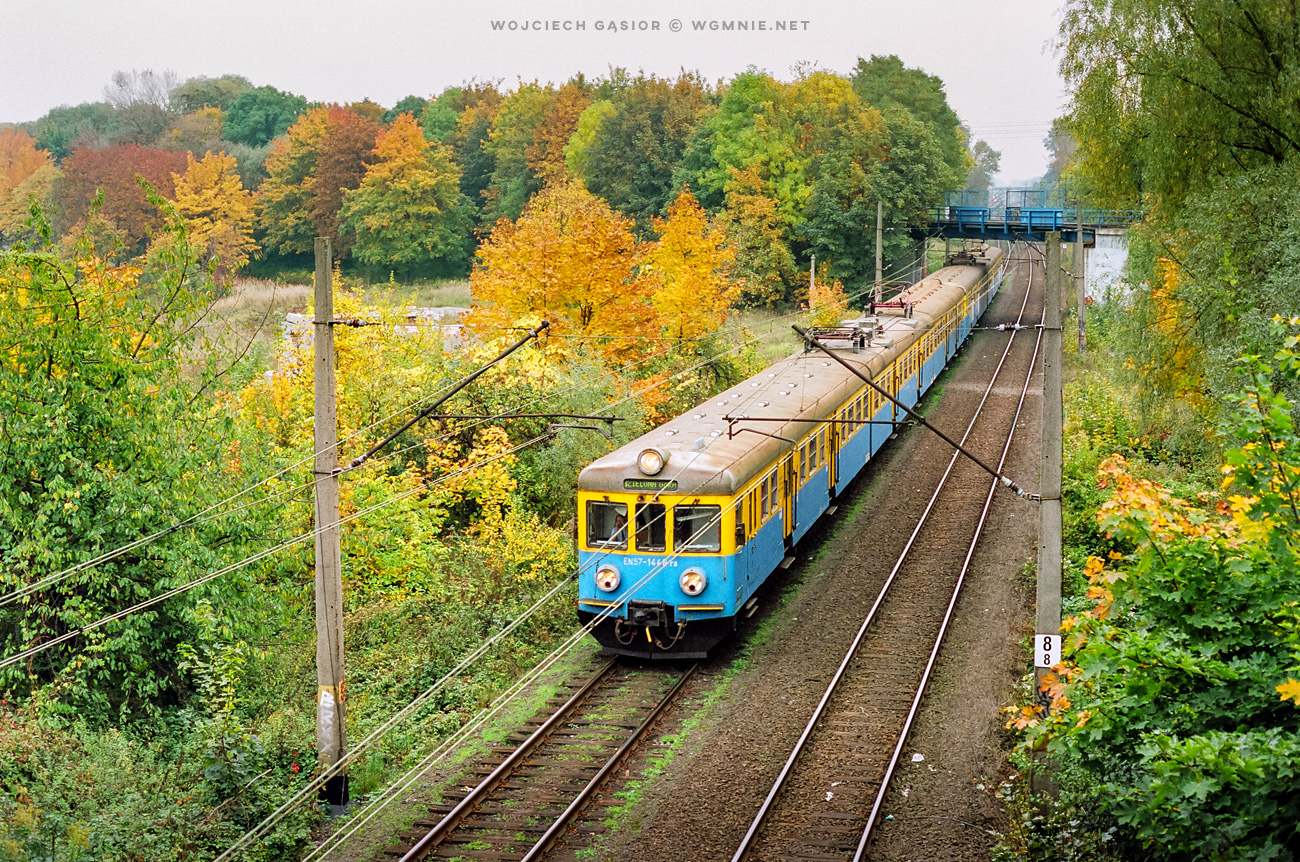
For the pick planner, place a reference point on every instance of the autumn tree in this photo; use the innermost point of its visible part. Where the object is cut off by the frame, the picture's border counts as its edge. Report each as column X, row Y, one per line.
column 1168, row 94
column 66, row 128
column 346, row 150
column 325, row 153
column 569, row 259
column 15, row 208
column 756, row 233
column 196, row 132
column 142, row 100
column 19, row 158
column 113, row 171
column 584, row 135
column 513, row 133
column 546, row 155
column 218, row 212
column 632, row 160
column 689, row 270
column 367, row 108
column 200, row 92
column 408, row 213
column 469, row 145
column 261, row 115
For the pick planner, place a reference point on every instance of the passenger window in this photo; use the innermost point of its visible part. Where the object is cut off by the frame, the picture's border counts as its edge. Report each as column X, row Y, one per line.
column 651, row 527
column 762, row 499
column 821, row 448
column 740, row 523
column 697, row 529
column 606, row 525
column 803, row 463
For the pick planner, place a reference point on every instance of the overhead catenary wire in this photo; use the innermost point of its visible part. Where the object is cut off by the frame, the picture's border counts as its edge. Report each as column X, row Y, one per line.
column 260, row 555
column 319, row 780
column 211, row 512
column 354, row 752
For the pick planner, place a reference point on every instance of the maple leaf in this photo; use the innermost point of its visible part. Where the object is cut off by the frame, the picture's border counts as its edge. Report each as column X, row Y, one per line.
column 1290, row 690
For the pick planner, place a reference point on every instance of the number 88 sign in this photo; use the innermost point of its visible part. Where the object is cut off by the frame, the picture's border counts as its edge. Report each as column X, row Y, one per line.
column 1047, row 650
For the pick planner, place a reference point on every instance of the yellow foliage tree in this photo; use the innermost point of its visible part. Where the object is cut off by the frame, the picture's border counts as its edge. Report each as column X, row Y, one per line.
column 218, row 211
column 569, row 259
column 689, row 268
column 827, row 304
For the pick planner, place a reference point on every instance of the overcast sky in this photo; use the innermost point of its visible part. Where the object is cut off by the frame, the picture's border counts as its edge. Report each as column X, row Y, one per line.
column 993, row 55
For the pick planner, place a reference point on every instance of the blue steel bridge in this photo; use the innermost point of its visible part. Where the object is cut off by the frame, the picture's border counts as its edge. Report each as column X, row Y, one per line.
column 1017, row 214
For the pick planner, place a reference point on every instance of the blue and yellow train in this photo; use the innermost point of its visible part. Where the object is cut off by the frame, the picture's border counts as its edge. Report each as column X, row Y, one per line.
column 679, row 528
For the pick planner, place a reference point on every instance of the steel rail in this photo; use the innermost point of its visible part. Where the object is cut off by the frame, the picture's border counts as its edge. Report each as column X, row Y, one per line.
column 747, row 842
column 872, row 819
column 562, row 823
column 485, row 787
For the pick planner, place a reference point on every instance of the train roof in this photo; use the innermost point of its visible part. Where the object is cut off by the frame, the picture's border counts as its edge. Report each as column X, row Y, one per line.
column 709, row 455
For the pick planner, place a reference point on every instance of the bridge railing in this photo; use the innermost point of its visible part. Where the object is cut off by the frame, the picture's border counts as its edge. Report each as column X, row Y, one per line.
column 1031, row 218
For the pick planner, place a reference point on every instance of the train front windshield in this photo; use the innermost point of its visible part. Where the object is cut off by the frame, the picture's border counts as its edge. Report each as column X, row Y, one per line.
column 697, row 529
column 607, row 525
column 651, row 527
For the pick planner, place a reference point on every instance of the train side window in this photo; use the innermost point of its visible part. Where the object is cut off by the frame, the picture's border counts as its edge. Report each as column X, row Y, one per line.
column 803, row 463
column 651, row 527
column 606, row 525
column 762, row 499
column 821, row 447
column 772, row 500
column 697, row 529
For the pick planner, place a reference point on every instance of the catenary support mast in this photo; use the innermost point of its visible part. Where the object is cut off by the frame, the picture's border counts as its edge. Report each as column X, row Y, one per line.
column 331, row 726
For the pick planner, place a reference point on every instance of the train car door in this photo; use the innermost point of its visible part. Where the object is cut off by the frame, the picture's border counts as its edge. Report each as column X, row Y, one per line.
column 788, row 495
column 833, row 462
column 745, row 515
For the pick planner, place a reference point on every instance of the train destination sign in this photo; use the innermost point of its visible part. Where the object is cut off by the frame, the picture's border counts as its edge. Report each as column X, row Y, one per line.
column 649, row 484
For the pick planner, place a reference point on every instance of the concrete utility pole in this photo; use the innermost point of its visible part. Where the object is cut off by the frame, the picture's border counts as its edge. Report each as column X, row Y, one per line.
column 880, row 254
column 812, row 283
column 1079, row 259
column 1047, row 620
column 331, row 727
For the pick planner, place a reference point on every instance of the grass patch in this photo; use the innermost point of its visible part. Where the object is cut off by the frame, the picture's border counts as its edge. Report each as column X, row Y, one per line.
column 433, row 294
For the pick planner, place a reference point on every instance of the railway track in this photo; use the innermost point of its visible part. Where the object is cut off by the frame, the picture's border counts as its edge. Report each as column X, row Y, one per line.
column 533, row 789
column 828, row 796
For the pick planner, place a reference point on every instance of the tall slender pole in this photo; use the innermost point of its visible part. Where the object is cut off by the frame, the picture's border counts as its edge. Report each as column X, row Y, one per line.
column 812, row 283
column 1079, row 261
column 1047, row 619
column 331, row 727
column 880, row 254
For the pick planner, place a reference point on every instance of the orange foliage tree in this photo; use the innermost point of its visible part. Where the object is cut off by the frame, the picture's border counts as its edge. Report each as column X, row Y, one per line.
column 545, row 157
column 569, row 259
column 25, row 172
column 19, row 159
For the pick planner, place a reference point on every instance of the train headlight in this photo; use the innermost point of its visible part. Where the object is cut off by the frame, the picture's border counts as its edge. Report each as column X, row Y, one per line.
column 693, row 582
column 651, row 461
column 607, row 579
